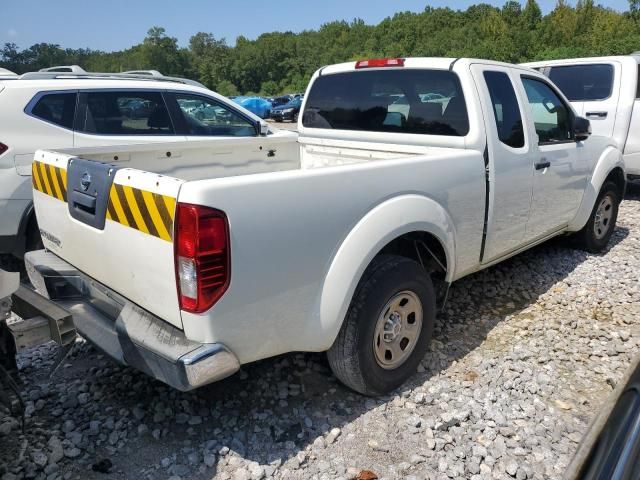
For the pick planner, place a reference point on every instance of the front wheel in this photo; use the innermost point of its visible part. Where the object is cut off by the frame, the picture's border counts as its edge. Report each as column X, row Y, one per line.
column 388, row 327
column 595, row 235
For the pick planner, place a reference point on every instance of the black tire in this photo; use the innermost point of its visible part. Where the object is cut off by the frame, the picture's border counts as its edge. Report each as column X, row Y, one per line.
column 33, row 239
column 352, row 357
column 595, row 236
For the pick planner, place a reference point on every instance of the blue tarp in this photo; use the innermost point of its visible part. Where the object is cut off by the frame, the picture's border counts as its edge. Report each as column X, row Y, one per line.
column 257, row 105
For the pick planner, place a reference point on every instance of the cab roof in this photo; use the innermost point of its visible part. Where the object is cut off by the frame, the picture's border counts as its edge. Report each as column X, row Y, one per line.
column 437, row 63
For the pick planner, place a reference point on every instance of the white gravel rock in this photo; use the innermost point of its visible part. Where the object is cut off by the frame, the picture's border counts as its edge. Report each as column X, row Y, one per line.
column 522, row 357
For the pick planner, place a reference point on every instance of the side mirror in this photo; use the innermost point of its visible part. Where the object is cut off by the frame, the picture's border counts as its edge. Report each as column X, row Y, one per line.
column 263, row 128
column 581, row 129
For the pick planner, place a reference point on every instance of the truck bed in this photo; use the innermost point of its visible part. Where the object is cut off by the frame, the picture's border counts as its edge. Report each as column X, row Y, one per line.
column 206, row 159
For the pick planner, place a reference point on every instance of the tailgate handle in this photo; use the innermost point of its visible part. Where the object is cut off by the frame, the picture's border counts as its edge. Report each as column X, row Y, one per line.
column 84, row 202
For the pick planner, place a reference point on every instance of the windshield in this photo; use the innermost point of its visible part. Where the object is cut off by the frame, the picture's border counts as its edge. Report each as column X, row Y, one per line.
column 294, row 103
column 401, row 101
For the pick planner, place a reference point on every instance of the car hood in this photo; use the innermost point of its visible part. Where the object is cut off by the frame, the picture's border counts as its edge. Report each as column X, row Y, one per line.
column 283, row 107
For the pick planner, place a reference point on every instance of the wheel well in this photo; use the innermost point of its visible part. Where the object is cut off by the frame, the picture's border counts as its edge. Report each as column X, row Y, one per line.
column 617, row 176
column 424, row 248
column 427, row 250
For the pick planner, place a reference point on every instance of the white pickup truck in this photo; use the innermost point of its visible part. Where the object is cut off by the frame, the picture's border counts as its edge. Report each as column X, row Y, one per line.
column 187, row 260
column 605, row 90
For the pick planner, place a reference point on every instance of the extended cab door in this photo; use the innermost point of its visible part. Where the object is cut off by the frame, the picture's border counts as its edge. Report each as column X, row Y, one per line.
column 593, row 89
column 560, row 164
column 509, row 160
column 118, row 117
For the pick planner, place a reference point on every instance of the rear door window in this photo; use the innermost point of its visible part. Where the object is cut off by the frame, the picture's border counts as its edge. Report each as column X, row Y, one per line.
column 428, row 102
column 126, row 113
column 505, row 109
column 583, row 83
column 56, row 108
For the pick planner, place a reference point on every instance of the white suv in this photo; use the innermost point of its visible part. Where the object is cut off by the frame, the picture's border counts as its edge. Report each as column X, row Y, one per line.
column 63, row 110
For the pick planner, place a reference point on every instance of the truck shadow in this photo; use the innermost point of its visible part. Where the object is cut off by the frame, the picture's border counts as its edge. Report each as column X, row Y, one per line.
column 275, row 408
column 476, row 306
column 633, row 191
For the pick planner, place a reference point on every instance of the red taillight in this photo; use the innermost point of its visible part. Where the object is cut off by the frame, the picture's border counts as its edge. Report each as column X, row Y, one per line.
column 3, row 148
column 381, row 62
column 201, row 255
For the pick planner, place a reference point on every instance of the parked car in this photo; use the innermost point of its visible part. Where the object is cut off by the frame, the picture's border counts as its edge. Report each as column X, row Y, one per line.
column 257, row 105
column 277, row 101
column 55, row 110
column 288, row 111
column 135, row 107
column 606, row 91
column 343, row 239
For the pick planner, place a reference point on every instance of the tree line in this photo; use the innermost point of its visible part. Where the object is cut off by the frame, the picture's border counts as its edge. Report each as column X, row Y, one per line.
column 281, row 62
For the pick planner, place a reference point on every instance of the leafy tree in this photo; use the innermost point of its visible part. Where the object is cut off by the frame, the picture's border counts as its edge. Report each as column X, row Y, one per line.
column 11, row 58
column 228, row 89
column 283, row 62
column 532, row 15
column 208, row 59
column 160, row 52
column 634, row 9
column 269, row 88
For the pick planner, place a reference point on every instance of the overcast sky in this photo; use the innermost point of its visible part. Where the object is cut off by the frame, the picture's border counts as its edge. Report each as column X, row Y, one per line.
column 117, row 24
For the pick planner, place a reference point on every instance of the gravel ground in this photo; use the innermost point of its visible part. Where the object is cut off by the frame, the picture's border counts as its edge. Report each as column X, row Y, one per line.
column 523, row 357
column 285, row 125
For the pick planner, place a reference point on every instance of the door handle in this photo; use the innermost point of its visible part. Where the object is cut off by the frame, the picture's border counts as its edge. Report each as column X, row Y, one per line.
column 597, row 114
column 542, row 164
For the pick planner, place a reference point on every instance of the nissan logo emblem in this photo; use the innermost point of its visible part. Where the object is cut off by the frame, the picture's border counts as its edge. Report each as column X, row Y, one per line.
column 85, row 181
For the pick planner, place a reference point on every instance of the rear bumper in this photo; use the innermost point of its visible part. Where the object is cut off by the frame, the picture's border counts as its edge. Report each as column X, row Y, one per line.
column 130, row 335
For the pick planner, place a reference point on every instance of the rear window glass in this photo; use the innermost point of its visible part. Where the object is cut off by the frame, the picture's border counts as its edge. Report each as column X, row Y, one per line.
column 583, row 82
column 57, row 108
column 398, row 101
column 127, row 113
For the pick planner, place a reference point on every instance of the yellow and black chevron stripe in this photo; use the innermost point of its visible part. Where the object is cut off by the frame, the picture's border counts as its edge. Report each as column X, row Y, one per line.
column 148, row 212
column 49, row 179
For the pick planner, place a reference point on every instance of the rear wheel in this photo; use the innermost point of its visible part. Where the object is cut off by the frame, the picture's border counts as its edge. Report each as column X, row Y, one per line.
column 387, row 328
column 595, row 235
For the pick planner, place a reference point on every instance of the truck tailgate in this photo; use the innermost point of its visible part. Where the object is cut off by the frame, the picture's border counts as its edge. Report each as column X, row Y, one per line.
column 113, row 224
